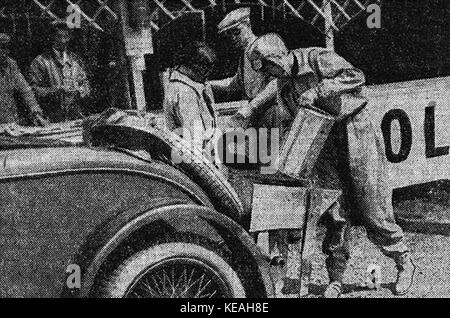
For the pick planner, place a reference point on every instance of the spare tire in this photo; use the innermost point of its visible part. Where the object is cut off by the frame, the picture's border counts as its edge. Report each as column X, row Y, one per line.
column 134, row 133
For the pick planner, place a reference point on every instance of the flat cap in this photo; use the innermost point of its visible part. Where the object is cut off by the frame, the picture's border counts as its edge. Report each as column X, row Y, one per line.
column 4, row 39
column 234, row 18
column 267, row 47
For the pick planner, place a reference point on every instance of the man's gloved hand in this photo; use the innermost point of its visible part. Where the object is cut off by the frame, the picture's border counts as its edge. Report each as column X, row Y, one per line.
column 39, row 120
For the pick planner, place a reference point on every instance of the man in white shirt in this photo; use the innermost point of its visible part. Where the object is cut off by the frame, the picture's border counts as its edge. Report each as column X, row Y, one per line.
column 188, row 99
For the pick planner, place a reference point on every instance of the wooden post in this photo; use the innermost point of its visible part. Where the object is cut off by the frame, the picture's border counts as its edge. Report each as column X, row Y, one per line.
column 138, row 43
column 329, row 32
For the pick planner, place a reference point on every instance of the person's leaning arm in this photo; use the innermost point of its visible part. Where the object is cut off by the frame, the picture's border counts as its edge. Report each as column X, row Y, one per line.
column 227, row 88
column 180, row 111
column 24, row 90
column 260, row 103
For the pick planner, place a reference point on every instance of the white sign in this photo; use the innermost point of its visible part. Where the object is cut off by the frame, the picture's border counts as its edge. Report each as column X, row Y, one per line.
column 413, row 122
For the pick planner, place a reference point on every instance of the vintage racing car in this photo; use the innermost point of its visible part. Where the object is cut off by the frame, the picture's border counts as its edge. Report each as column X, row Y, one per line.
column 105, row 221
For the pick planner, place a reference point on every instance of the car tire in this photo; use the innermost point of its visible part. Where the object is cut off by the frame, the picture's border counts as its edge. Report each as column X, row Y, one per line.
column 206, row 175
column 173, row 270
column 161, row 144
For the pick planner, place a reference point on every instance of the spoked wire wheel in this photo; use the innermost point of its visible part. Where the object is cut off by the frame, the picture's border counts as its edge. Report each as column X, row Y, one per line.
column 174, row 270
column 179, row 278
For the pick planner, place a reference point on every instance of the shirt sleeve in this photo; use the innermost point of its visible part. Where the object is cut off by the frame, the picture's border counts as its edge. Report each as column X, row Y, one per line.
column 183, row 114
column 188, row 111
column 231, row 86
column 169, row 106
column 227, row 86
column 338, row 75
column 181, row 108
column 260, row 103
column 82, row 80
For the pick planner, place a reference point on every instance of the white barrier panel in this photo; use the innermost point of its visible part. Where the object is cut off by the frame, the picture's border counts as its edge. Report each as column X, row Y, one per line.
column 413, row 119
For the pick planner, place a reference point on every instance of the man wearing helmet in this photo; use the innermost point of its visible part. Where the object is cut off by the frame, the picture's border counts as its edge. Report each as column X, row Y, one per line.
column 352, row 157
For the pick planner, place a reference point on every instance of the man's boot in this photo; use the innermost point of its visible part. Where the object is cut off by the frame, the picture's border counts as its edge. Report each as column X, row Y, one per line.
column 405, row 275
column 334, row 290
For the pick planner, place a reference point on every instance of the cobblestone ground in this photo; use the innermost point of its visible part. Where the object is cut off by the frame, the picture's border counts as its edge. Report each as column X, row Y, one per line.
column 431, row 255
column 431, row 252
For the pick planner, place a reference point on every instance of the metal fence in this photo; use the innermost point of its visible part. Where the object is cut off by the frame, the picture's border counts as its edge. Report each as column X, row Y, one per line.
column 325, row 15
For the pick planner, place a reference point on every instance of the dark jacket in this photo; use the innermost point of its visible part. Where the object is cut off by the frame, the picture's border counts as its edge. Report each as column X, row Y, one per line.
column 15, row 91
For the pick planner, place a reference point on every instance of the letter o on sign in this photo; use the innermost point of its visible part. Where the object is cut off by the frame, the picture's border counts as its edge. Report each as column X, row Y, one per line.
column 405, row 135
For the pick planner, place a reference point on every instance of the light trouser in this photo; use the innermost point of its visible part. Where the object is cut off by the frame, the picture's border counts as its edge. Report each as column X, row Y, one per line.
column 352, row 160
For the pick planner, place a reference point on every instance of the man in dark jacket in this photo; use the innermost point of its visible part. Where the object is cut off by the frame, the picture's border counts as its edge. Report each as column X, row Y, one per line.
column 13, row 86
column 352, row 157
column 59, row 79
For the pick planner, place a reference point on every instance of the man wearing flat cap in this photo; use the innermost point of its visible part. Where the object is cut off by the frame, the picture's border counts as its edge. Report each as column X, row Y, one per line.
column 352, row 158
column 59, row 79
column 251, row 85
column 12, row 86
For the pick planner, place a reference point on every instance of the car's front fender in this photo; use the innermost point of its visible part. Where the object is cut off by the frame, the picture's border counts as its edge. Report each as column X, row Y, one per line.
column 183, row 218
